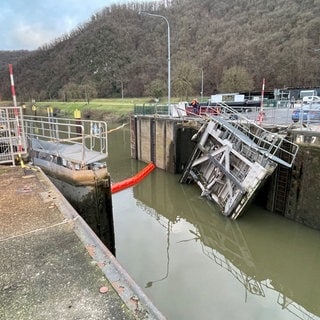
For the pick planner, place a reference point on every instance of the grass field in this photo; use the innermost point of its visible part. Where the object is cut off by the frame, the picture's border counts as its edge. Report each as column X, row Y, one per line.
column 117, row 106
column 114, row 110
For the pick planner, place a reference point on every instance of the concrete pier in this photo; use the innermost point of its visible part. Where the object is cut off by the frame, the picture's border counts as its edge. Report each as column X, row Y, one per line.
column 165, row 141
column 52, row 265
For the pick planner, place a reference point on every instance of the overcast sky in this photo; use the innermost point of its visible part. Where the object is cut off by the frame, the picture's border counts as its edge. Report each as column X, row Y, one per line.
column 29, row 24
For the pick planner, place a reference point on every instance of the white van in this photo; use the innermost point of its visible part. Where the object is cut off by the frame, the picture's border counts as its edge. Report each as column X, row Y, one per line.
column 310, row 99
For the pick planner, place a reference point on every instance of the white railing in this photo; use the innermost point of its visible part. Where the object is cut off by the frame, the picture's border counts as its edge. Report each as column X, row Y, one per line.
column 13, row 144
column 90, row 135
column 271, row 145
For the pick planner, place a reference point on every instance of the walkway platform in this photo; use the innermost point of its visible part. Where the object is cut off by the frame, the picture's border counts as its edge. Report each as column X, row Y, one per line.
column 233, row 158
column 52, row 265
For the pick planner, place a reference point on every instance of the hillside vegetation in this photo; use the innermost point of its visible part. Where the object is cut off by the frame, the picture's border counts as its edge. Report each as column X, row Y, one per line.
column 120, row 52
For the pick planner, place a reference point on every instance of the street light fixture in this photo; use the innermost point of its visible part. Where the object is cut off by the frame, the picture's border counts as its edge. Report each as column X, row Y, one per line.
column 169, row 63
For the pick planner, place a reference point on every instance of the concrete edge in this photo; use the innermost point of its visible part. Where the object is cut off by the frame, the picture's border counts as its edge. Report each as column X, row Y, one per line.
column 131, row 294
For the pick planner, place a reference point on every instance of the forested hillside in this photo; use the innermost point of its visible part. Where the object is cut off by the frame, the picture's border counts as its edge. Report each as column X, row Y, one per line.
column 120, row 51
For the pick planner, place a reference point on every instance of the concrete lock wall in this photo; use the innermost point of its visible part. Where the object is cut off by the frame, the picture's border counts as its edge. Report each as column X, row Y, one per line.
column 303, row 203
column 143, row 136
column 153, row 140
column 301, row 199
column 164, row 141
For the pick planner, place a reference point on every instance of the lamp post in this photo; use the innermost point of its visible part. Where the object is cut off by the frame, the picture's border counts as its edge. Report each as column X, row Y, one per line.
column 169, row 63
column 201, row 93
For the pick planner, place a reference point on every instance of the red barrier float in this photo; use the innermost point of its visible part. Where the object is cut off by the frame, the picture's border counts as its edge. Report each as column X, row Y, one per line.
column 133, row 180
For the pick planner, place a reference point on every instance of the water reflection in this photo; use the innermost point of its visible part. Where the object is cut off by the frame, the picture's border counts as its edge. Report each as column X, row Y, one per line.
column 195, row 263
column 150, row 283
column 262, row 256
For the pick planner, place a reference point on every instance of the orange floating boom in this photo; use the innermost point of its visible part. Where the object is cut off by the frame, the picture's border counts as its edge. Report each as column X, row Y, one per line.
column 133, row 180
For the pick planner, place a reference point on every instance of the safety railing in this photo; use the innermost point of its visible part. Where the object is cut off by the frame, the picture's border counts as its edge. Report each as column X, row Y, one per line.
column 270, row 145
column 13, row 144
column 90, row 136
column 151, row 109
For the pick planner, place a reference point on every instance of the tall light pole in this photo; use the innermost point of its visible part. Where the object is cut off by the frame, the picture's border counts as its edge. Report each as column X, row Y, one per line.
column 169, row 63
column 201, row 93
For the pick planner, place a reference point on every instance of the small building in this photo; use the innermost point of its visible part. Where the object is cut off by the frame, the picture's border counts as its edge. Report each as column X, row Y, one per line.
column 228, row 98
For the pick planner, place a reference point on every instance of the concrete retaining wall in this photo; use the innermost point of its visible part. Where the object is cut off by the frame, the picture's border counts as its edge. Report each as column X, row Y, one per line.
column 158, row 140
column 303, row 203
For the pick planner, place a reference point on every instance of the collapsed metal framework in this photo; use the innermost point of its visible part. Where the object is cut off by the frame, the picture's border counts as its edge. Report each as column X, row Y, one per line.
column 233, row 158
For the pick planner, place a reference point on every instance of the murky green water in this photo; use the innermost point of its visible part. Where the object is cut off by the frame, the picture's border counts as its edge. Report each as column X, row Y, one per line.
column 194, row 263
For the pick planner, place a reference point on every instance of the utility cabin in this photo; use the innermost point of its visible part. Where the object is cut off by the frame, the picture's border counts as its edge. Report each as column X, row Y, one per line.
column 228, row 98
column 307, row 93
column 238, row 101
column 233, row 158
column 296, row 94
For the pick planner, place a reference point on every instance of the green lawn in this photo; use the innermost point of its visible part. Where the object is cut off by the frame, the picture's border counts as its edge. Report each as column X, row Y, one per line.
column 114, row 106
column 114, row 109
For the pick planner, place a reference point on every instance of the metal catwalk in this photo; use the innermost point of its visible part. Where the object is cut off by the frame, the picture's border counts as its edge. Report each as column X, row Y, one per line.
column 233, row 158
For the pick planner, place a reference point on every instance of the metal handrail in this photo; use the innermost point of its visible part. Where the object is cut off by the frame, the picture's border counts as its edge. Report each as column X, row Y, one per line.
column 271, row 145
column 89, row 134
column 13, row 144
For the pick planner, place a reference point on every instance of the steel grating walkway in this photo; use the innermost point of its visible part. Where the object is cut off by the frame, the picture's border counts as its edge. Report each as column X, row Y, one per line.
column 233, row 158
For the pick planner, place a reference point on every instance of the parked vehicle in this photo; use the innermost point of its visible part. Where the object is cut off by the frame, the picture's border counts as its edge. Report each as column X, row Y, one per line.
column 307, row 93
column 311, row 99
column 308, row 112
